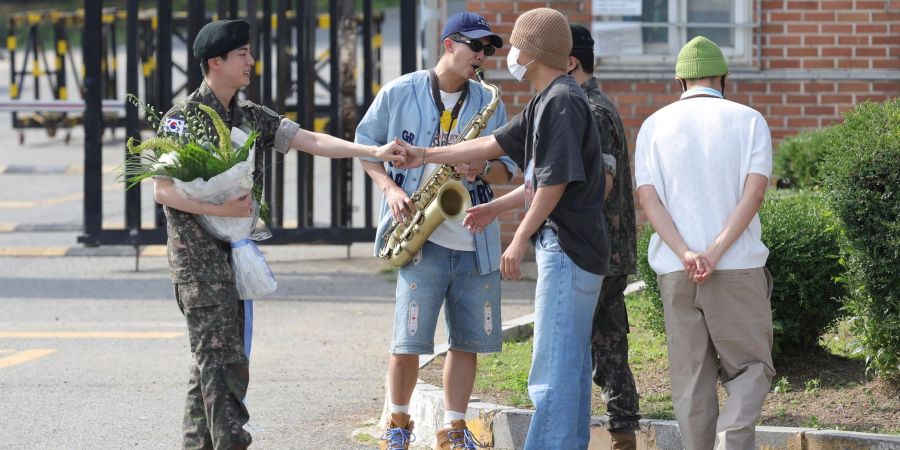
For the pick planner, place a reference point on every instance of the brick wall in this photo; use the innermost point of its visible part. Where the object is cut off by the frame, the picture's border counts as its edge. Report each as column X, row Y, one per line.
column 819, row 59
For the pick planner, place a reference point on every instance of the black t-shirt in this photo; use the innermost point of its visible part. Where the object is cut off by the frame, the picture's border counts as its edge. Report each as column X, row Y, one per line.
column 554, row 141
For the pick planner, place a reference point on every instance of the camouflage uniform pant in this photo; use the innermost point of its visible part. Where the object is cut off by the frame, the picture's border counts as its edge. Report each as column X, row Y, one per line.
column 214, row 413
column 609, row 348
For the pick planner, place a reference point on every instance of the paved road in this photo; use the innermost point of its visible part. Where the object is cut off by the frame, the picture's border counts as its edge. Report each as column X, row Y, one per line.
column 94, row 355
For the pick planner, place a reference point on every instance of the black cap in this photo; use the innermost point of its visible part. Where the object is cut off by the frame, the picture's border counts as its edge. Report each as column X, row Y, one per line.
column 220, row 37
column 581, row 37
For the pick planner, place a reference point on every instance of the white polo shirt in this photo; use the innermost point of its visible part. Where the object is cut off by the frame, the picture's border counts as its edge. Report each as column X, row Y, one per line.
column 697, row 153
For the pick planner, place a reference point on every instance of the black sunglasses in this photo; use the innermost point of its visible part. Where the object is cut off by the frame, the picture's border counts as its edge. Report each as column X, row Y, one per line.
column 476, row 46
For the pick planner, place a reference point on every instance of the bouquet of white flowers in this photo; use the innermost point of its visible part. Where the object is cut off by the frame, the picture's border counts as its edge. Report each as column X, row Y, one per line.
column 211, row 174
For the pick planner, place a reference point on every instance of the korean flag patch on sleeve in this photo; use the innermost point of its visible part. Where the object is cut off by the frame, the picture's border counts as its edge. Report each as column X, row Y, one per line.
column 175, row 126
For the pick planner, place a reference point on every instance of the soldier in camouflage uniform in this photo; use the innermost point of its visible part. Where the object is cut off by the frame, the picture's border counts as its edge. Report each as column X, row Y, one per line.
column 609, row 342
column 200, row 264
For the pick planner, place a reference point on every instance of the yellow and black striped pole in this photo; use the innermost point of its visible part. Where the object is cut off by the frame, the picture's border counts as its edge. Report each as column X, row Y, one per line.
column 62, row 47
column 11, row 44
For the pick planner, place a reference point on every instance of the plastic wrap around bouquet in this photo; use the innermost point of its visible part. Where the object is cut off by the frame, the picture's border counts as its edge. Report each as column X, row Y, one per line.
column 253, row 277
column 216, row 174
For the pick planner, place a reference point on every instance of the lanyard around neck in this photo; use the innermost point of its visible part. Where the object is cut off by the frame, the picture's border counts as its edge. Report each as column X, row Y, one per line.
column 436, row 96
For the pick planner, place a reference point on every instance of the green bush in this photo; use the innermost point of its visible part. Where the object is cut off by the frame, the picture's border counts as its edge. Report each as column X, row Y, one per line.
column 804, row 252
column 797, row 159
column 803, row 238
column 861, row 178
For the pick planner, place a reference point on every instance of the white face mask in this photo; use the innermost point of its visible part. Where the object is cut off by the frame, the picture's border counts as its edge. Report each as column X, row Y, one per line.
column 512, row 62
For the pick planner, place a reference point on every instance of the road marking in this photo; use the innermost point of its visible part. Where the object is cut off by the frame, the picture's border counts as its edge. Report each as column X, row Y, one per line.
column 60, row 200
column 72, row 169
column 8, row 227
column 25, row 356
column 76, row 169
column 75, row 196
column 119, row 225
column 33, row 251
column 9, row 204
column 153, row 250
column 89, row 335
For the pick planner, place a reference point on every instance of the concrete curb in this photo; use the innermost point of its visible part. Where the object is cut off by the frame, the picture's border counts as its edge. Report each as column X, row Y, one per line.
column 502, row 427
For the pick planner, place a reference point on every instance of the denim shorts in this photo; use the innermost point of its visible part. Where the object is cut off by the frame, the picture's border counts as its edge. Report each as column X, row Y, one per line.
column 472, row 309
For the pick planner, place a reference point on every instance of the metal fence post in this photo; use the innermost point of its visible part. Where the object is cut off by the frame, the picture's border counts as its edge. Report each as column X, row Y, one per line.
column 283, row 88
column 306, row 79
column 92, row 36
column 132, row 127
column 409, row 25
column 341, row 12
column 196, row 20
column 368, row 96
column 252, row 90
column 163, row 71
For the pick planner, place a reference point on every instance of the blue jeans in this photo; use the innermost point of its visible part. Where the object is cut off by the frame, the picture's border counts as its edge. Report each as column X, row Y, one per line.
column 472, row 307
column 560, row 380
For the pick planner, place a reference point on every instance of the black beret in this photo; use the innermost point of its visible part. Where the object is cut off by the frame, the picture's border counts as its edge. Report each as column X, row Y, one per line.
column 581, row 37
column 220, row 37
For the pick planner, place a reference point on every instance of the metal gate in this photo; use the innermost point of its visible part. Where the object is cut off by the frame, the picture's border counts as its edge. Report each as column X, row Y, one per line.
column 149, row 38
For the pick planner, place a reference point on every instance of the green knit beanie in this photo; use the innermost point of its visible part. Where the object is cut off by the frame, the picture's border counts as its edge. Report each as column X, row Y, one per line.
column 700, row 58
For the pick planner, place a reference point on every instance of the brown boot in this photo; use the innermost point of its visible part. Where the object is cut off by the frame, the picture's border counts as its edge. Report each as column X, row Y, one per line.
column 398, row 434
column 457, row 436
column 623, row 440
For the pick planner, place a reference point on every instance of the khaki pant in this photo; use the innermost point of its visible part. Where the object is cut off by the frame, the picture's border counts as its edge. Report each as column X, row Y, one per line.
column 729, row 317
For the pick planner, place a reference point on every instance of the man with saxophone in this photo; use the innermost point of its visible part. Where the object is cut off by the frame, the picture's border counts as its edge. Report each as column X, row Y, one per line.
column 432, row 108
column 557, row 144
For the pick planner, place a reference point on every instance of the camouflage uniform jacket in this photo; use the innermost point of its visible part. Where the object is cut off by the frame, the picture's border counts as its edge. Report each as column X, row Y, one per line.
column 194, row 254
column 619, row 206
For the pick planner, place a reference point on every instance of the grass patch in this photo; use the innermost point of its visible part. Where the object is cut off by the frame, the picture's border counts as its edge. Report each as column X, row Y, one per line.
column 839, row 340
column 507, row 372
column 656, row 406
column 366, row 439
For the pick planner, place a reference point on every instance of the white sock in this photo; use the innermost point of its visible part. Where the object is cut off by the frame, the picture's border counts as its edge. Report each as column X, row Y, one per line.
column 399, row 409
column 450, row 416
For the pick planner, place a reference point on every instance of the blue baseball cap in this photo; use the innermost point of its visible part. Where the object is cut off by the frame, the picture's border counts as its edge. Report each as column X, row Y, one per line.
column 471, row 26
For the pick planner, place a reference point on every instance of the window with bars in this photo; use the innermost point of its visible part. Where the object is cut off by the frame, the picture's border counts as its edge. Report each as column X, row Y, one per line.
column 650, row 32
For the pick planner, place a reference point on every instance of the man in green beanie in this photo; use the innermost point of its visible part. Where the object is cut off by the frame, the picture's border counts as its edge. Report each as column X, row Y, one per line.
column 557, row 145
column 200, row 264
column 702, row 165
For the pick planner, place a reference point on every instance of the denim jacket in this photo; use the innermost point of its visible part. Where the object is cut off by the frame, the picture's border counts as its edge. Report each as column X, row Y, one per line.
column 404, row 108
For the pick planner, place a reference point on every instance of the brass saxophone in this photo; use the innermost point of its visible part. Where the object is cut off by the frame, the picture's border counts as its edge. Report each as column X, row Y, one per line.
column 440, row 197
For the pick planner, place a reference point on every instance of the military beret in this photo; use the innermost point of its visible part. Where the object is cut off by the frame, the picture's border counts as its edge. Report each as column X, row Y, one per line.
column 220, row 37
